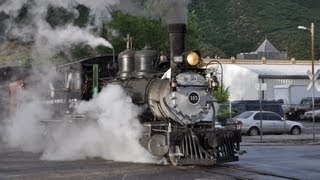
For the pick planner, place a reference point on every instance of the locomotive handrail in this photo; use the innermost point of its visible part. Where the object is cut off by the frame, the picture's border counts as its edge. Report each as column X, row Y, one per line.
column 159, row 130
column 192, row 85
column 221, row 81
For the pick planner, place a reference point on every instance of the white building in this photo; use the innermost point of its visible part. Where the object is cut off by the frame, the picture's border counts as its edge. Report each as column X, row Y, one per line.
column 284, row 79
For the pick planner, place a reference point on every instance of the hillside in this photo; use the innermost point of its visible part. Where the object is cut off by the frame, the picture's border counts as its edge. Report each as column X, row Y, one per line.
column 233, row 26
column 220, row 27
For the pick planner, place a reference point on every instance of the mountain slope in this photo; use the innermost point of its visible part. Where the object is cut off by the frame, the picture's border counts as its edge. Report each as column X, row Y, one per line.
column 235, row 26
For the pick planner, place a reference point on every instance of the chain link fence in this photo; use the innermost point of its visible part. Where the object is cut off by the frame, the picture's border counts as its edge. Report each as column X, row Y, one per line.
column 287, row 117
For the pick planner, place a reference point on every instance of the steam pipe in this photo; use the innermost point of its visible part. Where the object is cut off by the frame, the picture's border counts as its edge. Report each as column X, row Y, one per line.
column 113, row 56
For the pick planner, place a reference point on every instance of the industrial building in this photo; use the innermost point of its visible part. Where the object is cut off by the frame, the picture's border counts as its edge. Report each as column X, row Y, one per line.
column 284, row 79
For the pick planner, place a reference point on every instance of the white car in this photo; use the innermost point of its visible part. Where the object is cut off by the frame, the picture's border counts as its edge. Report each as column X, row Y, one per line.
column 308, row 114
column 271, row 123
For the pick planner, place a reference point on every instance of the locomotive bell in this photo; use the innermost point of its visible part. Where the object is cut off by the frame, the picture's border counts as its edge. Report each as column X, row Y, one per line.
column 163, row 62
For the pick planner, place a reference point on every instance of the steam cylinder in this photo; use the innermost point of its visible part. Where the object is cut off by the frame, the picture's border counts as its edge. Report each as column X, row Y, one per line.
column 126, row 63
column 145, row 61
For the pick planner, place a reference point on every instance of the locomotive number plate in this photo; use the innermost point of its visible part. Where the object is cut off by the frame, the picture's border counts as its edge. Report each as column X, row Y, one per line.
column 194, row 97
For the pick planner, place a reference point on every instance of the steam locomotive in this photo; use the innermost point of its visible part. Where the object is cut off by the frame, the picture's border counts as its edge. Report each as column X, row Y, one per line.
column 179, row 121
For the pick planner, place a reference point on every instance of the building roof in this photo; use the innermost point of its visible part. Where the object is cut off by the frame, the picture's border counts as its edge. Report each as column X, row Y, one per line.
column 266, row 46
column 271, row 70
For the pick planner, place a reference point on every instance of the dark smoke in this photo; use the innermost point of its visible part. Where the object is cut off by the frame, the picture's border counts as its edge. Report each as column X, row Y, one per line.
column 169, row 11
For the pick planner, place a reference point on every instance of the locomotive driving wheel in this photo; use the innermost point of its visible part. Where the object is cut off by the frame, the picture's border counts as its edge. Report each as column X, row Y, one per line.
column 173, row 155
column 157, row 145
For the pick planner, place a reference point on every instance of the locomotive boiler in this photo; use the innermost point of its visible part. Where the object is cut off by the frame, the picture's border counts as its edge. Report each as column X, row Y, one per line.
column 179, row 119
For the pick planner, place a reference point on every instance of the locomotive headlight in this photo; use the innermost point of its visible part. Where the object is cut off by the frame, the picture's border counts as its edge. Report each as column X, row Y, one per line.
column 193, row 58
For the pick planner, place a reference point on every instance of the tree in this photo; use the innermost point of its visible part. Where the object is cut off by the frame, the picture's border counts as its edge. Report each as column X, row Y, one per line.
column 236, row 26
column 143, row 30
column 146, row 30
column 222, row 95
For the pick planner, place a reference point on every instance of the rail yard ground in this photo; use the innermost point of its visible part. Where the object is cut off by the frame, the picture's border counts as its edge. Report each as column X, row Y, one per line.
column 277, row 157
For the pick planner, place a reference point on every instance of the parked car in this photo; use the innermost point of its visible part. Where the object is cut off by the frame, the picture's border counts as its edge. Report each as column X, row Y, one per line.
column 308, row 115
column 271, row 123
column 298, row 111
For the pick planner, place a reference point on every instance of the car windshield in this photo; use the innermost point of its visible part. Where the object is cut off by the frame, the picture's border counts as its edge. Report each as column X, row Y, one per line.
column 305, row 101
column 244, row 115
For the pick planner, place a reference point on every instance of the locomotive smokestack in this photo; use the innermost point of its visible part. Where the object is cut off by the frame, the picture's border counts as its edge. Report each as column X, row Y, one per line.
column 177, row 42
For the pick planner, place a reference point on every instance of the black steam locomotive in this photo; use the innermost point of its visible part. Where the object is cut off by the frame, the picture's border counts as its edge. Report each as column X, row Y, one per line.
column 179, row 121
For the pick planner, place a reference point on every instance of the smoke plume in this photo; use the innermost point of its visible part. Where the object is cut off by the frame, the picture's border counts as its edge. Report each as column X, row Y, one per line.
column 47, row 40
column 110, row 130
column 169, row 11
column 114, row 135
column 25, row 20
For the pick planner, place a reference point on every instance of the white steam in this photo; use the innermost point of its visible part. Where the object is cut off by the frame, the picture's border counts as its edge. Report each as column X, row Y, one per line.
column 110, row 131
column 12, row 8
column 24, row 130
column 115, row 135
column 49, row 40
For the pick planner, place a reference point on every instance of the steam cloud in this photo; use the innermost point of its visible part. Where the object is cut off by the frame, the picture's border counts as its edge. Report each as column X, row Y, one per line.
column 46, row 39
column 115, row 135
column 111, row 130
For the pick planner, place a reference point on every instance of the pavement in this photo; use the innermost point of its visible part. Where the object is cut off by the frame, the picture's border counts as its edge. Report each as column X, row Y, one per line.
column 284, row 139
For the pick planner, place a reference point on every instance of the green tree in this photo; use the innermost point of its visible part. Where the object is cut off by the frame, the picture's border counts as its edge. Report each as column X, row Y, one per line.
column 147, row 31
column 236, row 26
column 193, row 37
column 143, row 30
column 222, row 95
